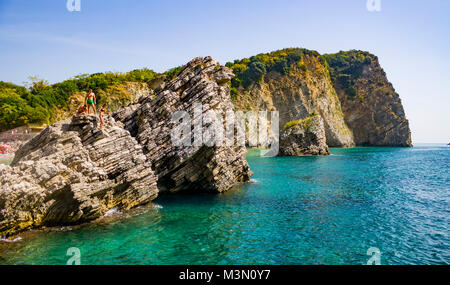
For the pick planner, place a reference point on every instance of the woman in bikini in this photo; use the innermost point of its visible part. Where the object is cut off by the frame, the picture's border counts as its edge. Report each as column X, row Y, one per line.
column 91, row 101
column 102, row 111
column 81, row 110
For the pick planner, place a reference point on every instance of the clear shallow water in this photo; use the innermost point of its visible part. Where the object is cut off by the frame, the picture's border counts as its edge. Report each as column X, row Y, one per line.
column 6, row 159
column 299, row 210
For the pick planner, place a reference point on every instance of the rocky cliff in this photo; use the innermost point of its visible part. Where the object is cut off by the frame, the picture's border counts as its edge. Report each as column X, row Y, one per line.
column 194, row 167
column 304, row 88
column 372, row 109
column 349, row 90
column 304, row 137
column 73, row 172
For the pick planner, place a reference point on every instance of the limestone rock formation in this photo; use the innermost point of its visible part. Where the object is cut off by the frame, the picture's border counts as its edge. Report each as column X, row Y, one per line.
column 372, row 109
column 195, row 167
column 304, row 137
column 73, row 173
column 348, row 89
column 304, row 90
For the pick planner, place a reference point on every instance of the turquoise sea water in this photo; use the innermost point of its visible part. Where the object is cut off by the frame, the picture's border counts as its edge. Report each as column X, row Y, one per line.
column 299, row 210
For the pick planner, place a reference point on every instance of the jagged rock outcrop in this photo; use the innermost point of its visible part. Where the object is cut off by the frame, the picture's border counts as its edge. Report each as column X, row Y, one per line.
column 304, row 137
column 195, row 167
column 372, row 109
column 73, row 173
column 307, row 88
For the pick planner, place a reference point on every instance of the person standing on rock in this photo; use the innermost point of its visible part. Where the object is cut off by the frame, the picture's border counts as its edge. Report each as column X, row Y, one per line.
column 102, row 111
column 91, row 101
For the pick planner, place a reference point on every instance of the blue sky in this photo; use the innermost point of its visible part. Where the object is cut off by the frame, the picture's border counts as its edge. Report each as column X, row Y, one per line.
column 411, row 38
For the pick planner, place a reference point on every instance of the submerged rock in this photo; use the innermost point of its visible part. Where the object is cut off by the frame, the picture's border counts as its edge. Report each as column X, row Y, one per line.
column 73, row 173
column 304, row 137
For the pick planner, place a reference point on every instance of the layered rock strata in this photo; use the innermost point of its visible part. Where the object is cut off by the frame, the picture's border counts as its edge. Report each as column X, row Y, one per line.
column 304, row 137
column 73, row 173
column 372, row 109
column 201, row 86
column 301, row 92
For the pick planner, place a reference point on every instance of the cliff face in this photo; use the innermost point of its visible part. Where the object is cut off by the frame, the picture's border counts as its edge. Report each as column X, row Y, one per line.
column 305, row 89
column 372, row 109
column 212, row 168
column 349, row 90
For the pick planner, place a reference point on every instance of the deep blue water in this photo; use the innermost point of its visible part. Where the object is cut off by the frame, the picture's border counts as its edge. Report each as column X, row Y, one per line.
column 299, row 210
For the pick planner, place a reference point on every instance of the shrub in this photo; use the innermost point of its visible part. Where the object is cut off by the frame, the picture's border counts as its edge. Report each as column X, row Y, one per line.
column 251, row 70
column 44, row 103
column 254, row 73
column 344, row 80
column 281, row 66
column 171, row 73
column 352, row 92
column 291, row 124
column 234, row 93
column 305, row 123
column 236, row 82
column 17, row 112
column 302, row 66
column 141, row 75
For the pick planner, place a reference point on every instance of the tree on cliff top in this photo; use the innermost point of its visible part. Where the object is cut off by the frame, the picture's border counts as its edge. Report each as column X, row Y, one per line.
column 43, row 103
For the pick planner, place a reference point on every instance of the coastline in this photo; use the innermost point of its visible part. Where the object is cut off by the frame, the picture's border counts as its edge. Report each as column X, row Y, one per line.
column 107, row 219
column 297, row 198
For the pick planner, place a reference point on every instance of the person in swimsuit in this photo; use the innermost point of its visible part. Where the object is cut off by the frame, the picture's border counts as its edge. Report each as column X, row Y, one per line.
column 91, row 101
column 102, row 111
column 81, row 110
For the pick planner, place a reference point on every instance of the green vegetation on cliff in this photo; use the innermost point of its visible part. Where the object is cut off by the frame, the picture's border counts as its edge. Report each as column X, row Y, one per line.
column 253, row 69
column 372, row 108
column 44, row 103
column 346, row 67
column 305, row 123
column 356, row 80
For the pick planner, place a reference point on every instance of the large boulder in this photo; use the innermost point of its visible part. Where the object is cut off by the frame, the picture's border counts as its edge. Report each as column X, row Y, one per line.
column 73, row 173
column 199, row 87
column 304, row 137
